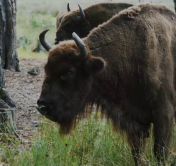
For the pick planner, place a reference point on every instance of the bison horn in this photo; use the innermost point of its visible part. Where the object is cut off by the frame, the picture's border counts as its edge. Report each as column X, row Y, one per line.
column 43, row 42
column 82, row 13
column 82, row 17
column 80, row 44
column 68, row 7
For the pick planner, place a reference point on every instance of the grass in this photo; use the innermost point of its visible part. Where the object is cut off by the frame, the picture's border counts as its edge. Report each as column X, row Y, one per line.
column 32, row 18
column 31, row 55
column 92, row 143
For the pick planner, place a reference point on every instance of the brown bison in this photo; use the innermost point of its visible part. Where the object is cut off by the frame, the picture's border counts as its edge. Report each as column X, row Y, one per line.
column 126, row 68
column 83, row 21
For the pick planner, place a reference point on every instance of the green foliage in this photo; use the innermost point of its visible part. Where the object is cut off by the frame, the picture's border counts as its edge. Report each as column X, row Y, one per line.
column 39, row 23
column 92, row 143
column 30, row 22
column 31, row 55
column 8, row 148
column 44, row 11
column 24, row 42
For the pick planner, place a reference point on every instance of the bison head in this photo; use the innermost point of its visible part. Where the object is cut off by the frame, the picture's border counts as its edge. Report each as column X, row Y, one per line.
column 69, row 79
column 74, row 21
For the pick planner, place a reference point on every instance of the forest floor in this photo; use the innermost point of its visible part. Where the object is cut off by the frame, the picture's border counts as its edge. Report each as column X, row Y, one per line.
column 24, row 89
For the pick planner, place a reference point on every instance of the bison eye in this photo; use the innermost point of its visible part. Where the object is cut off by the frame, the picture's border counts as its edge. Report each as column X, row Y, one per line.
column 67, row 76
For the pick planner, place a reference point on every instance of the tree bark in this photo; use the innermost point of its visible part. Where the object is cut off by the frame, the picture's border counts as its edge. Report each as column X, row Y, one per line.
column 8, row 54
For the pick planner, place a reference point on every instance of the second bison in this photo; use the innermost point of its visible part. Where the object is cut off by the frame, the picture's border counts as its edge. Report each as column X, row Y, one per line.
column 83, row 21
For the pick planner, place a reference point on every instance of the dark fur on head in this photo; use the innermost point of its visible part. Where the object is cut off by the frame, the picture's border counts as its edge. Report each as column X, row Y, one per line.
column 70, row 62
column 128, row 74
column 94, row 16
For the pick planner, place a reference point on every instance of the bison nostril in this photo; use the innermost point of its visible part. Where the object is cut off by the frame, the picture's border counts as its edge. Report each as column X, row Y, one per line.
column 44, row 109
column 43, row 101
column 44, row 106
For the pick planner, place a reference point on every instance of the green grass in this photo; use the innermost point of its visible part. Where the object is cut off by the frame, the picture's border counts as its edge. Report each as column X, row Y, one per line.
column 32, row 18
column 31, row 55
column 92, row 143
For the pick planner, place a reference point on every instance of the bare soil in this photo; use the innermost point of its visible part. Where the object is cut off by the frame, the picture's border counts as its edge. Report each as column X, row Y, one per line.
column 24, row 89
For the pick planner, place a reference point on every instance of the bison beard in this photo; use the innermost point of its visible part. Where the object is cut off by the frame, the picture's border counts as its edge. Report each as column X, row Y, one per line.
column 136, row 87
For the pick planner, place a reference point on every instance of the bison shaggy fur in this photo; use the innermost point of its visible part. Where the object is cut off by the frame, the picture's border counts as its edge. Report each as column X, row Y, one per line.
column 128, row 74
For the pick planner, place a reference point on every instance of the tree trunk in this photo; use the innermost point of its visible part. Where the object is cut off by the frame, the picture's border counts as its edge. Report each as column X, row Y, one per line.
column 175, row 5
column 8, row 54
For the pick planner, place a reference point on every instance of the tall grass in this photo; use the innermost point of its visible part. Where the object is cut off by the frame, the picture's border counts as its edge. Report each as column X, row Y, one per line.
column 32, row 18
column 92, row 143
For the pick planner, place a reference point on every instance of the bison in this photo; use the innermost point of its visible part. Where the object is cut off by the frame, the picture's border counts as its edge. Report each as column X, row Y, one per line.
column 126, row 68
column 83, row 21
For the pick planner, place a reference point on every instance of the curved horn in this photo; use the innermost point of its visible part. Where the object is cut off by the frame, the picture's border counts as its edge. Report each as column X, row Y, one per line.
column 80, row 44
column 82, row 13
column 43, row 42
column 68, row 7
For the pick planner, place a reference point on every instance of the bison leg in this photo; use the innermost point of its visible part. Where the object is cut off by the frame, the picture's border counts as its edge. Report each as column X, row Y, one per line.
column 138, row 145
column 163, row 124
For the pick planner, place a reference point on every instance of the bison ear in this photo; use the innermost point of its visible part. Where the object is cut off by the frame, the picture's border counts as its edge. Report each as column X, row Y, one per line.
column 94, row 65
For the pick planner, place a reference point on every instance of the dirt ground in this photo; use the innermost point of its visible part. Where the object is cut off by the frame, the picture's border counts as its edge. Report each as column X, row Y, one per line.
column 24, row 89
